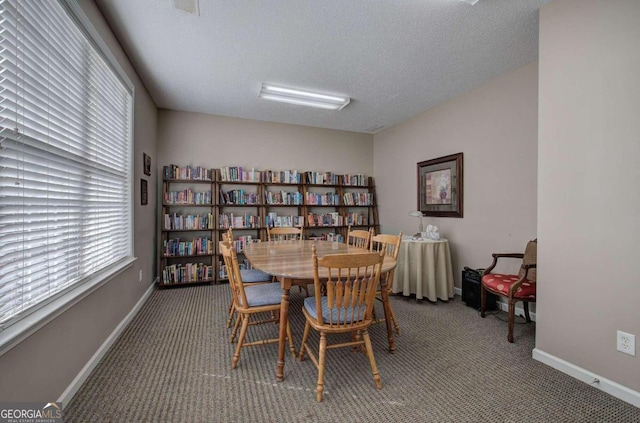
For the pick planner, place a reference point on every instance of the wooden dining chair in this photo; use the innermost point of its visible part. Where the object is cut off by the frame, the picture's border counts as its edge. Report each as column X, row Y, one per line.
column 287, row 233
column 249, row 276
column 284, row 233
column 388, row 245
column 344, row 305
column 359, row 238
column 252, row 301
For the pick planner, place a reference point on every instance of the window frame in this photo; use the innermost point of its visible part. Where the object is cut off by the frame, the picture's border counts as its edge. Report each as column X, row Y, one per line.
column 17, row 329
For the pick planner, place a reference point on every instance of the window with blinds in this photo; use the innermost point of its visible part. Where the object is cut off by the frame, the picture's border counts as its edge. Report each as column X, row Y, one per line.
column 65, row 157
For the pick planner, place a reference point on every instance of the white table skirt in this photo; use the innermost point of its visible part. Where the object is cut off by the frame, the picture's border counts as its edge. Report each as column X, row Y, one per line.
column 424, row 269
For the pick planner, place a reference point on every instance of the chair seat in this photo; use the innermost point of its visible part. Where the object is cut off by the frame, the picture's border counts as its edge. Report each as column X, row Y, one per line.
column 500, row 284
column 254, row 275
column 336, row 317
column 263, row 294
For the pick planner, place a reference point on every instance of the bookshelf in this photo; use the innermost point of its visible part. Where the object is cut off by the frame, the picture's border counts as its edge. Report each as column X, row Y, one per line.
column 199, row 205
column 187, row 226
column 239, row 207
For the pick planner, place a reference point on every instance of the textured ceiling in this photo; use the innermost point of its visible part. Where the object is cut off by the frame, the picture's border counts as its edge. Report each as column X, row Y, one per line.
column 394, row 58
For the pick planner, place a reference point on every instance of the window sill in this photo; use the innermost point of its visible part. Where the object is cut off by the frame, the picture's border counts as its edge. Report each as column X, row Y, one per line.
column 17, row 332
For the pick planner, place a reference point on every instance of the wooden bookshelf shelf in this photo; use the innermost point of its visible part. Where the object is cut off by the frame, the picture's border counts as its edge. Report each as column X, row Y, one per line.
column 232, row 196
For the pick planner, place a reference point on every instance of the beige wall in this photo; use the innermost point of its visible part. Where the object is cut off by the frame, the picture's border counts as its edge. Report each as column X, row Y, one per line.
column 495, row 126
column 217, row 141
column 42, row 367
column 589, row 201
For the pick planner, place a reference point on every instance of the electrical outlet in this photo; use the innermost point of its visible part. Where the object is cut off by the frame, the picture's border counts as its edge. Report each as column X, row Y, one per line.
column 140, row 277
column 627, row 343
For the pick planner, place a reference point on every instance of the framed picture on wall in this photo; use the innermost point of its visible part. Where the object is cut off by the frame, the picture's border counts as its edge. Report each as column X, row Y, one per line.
column 146, row 162
column 440, row 186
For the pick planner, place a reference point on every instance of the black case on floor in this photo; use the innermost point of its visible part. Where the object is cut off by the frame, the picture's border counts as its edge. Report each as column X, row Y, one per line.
column 471, row 290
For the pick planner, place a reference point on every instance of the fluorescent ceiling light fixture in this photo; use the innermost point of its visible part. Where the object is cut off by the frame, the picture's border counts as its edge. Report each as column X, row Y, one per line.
column 471, row 2
column 303, row 98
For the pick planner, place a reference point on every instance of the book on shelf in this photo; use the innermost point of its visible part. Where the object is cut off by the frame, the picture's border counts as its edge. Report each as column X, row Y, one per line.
column 321, row 178
column 273, row 220
column 238, row 197
column 238, row 220
column 187, row 197
column 283, row 198
column 318, row 199
column 175, row 222
column 281, row 176
column 174, row 247
column 237, row 174
column 196, row 173
column 187, row 272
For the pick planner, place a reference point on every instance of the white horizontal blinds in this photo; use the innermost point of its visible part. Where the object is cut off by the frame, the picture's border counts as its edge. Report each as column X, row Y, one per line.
column 65, row 136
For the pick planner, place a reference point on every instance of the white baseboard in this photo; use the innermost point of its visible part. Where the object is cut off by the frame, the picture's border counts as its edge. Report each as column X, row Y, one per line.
column 77, row 382
column 608, row 386
column 503, row 305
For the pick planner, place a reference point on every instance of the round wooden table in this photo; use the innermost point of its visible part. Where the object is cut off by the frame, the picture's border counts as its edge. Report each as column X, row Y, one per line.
column 291, row 262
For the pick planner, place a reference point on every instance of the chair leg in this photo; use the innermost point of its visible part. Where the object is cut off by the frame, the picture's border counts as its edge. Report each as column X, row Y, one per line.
column 394, row 320
column 234, row 332
column 243, row 332
column 525, row 305
column 483, row 299
column 512, row 314
column 372, row 360
column 232, row 309
column 305, row 336
column 305, row 289
column 292, row 347
column 321, row 359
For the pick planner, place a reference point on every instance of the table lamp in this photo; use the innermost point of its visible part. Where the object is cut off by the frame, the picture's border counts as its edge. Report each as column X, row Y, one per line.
column 418, row 214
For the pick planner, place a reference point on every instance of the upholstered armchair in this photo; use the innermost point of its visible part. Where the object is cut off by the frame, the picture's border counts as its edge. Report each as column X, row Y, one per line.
column 520, row 287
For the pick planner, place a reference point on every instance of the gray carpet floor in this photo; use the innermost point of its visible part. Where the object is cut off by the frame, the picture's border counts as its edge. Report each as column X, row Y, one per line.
column 173, row 364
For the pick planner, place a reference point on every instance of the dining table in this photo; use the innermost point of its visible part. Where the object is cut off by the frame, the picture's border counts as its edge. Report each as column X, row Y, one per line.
column 291, row 262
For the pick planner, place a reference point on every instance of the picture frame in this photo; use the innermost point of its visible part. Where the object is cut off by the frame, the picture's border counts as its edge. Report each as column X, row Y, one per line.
column 146, row 163
column 440, row 186
column 144, row 192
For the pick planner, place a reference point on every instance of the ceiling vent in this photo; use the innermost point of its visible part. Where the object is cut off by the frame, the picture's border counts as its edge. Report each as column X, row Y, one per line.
column 189, row 6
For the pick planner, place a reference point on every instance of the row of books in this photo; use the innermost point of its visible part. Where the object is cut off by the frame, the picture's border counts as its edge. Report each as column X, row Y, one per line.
column 281, row 176
column 327, row 237
column 189, row 272
column 242, row 241
column 327, row 219
column 272, row 220
column 355, row 219
column 358, row 180
column 174, row 247
column 187, row 196
column 237, row 174
column 321, row 178
column 283, row 198
column 187, row 172
column 234, row 220
column 335, row 219
column 239, row 196
column 328, row 199
column 357, row 199
column 188, row 222
column 191, row 222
